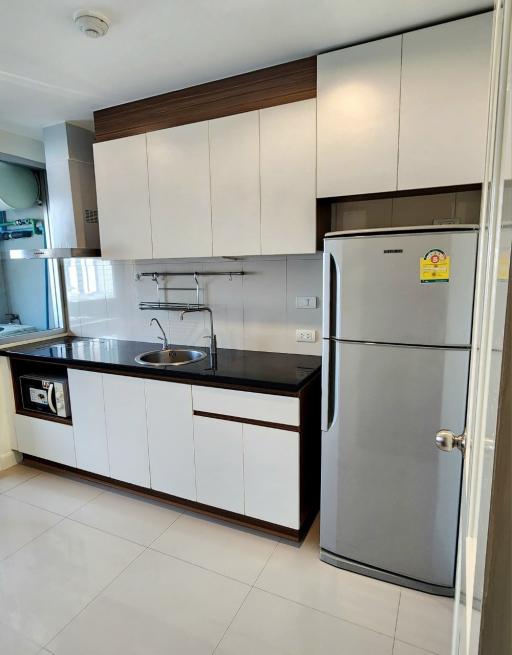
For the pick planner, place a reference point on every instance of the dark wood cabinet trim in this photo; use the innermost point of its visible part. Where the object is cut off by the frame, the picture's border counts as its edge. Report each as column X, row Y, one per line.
column 248, row 421
column 207, row 510
column 267, row 87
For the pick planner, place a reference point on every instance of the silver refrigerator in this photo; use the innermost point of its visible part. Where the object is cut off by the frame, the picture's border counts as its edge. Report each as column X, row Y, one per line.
column 396, row 347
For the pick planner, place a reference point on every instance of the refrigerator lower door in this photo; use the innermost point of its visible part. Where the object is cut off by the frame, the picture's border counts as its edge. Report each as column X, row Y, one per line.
column 390, row 498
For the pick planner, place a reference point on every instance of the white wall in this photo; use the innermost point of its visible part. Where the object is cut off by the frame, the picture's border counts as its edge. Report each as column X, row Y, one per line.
column 21, row 147
column 253, row 312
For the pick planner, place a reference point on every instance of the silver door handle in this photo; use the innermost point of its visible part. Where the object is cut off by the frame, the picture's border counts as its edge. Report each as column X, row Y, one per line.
column 447, row 441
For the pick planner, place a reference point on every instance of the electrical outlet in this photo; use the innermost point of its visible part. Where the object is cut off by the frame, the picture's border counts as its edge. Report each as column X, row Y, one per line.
column 308, row 336
column 306, row 302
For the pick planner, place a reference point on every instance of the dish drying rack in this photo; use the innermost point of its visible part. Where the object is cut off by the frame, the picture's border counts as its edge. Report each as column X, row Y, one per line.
column 158, row 305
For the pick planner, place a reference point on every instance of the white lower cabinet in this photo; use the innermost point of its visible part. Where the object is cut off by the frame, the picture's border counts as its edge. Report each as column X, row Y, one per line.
column 125, row 414
column 88, row 410
column 271, row 475
column 219, row 463
column 171, row 438
column 47, row 439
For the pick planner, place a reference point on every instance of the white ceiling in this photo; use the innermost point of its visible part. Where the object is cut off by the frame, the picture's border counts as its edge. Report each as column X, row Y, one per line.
column 49, row 72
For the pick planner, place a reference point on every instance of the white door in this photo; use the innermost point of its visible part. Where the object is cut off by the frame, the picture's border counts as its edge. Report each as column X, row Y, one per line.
column 235, row 179
column 443, row 104
column 179, row 189
column 288, row 178
column 488, row 338
column 358, row 107
column 271, row 475
column 125, row 412
column 219, row 463
column 171, row 438
column 88, row 411
column 121, row 170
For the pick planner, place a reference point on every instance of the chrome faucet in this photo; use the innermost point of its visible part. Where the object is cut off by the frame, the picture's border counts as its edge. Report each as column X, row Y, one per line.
column 163, row 338
column 211, row 336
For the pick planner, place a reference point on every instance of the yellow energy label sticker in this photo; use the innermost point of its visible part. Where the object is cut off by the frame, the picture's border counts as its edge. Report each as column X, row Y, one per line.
column 435, row 267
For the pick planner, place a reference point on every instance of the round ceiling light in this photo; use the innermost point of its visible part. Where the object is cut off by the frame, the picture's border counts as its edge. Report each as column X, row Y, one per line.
column 91, row 23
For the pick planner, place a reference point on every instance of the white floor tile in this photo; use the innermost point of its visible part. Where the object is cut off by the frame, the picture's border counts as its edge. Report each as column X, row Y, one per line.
column 425, row 621
column 46, row 583
column 14, row 643
column 228, row 550
column 54, row 493
column 298, row 574
column 406, row 649
column 20, row 523
column 159, row 605
column 270, row 625
column 15, row 475
column 127, row 516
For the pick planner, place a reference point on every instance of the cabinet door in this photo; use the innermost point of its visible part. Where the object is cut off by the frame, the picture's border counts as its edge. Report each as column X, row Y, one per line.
column 171, row 438
column 358, row 107
column 88, row 411
column 125, row 412
column 179, row 188
column 219, row 463
column 443, row 109
column 235, row 180
column 288, row 178
column 121, row 170
column 271, row 474
column 47, row 439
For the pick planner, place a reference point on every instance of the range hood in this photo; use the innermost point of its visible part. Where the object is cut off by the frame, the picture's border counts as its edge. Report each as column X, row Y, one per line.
column 72, row 207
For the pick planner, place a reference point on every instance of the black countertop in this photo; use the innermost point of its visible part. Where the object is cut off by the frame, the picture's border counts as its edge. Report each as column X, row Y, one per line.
column 245, row 368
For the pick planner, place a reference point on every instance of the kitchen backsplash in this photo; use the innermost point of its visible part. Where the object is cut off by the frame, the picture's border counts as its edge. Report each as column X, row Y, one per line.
column 255, row 312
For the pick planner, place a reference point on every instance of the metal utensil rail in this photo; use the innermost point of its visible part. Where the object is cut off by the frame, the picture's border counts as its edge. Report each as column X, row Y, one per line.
column 159, row 305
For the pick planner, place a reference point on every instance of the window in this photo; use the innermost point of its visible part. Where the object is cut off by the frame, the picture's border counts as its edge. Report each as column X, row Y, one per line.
column 30, row 289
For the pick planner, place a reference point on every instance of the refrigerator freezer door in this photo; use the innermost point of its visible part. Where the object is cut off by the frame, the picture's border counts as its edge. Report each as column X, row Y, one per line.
column 378, row 281
column 390, row 498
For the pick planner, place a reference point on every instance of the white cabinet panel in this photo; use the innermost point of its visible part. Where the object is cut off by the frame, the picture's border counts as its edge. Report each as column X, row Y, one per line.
column 246, row 404
column 121, row 170
column 88, row 411
column 179, row 187
column 288, row 178
column 235, row 184
column 125, row 411
column 219, row 463
column 171, row 438
column 271, row 474
column 358, row 115
column 46, row 439
column 443, row 116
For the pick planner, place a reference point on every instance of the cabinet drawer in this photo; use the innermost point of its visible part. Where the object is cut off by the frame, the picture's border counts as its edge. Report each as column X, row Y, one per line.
column 46, row 439
column 244, row 404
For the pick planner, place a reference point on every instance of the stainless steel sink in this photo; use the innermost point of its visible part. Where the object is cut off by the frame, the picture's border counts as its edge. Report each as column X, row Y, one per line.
column 170, row 357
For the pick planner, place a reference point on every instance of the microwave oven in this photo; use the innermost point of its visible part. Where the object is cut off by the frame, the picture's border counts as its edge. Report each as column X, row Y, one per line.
column 45, row 395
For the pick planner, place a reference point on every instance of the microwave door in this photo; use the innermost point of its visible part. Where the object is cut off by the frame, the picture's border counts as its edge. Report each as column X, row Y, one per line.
column 51, row 395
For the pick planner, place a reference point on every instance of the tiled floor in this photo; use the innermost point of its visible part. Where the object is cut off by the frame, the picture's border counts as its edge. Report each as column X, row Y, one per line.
column 88, row 571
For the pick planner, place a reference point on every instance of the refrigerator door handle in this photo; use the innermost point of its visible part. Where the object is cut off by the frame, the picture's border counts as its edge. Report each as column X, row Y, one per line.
column 326, row 305
column 326, row 392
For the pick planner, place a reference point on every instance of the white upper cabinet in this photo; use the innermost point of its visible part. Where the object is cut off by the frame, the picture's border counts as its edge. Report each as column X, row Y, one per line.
column 179, row 188
column 358, row 98
column 443, row 116
column 171, row 438
column 288, row 178
column 235, row 184
column 121, row 170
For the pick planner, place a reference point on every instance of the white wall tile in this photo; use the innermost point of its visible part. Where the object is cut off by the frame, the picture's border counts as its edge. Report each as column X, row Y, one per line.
column 256, row 312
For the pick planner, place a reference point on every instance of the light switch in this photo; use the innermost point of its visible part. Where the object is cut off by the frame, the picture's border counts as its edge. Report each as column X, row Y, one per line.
column 306, row 302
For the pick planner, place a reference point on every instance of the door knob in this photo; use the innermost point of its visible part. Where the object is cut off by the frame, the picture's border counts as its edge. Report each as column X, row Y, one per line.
column 447, row 441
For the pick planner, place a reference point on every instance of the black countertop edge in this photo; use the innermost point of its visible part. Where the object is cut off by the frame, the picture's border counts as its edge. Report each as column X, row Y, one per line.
column 266, row 372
